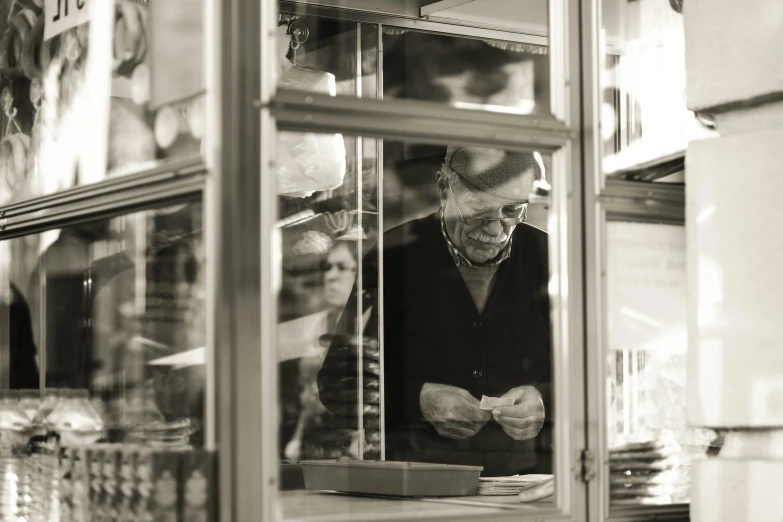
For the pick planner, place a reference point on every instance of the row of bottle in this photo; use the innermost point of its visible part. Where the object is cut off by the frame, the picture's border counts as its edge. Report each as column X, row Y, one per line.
column 31, row 430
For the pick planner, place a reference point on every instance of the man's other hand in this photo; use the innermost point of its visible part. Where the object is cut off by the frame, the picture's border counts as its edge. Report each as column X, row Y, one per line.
column 452, row 411
column 524, row 419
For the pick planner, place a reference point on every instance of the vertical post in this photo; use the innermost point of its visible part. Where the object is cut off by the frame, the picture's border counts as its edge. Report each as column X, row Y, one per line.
column 5, row 316
column 626, row 392
column 359, row 256
column 381, row 230
column 240, row 214
column 42, row 362
column 636, row 375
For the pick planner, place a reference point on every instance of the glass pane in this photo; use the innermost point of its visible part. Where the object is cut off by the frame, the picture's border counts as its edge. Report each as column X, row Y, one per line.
column 651, row 446
column 97, row 99
column 390, row 335
column 645, row 123
column 504, row 69
column 531, row 18
column 103, row 329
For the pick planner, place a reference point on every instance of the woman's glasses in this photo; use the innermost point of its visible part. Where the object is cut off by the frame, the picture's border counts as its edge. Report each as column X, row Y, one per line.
column 341, row 267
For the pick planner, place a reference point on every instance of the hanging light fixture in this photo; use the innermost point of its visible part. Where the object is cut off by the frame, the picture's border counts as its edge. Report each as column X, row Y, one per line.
column 307, row 162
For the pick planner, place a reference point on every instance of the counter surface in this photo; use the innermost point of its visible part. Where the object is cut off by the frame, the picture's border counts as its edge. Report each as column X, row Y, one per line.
column 323, row 506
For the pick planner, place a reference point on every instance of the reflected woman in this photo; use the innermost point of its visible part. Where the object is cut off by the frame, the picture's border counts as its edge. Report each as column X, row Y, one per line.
column 314, row 436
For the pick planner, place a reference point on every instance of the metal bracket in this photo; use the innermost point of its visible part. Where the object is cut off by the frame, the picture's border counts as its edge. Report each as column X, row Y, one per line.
column 588, row 468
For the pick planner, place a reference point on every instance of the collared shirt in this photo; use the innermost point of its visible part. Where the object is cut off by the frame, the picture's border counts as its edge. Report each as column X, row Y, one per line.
column 460, row 259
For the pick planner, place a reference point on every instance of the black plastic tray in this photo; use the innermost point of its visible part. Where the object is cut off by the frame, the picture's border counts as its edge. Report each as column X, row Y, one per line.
column 390, row 478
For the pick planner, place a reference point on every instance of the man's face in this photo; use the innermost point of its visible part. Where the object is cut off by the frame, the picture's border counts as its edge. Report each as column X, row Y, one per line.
column 480, row 244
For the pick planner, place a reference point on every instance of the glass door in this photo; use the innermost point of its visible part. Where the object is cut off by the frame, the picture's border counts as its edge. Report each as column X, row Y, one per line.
column 411, row 147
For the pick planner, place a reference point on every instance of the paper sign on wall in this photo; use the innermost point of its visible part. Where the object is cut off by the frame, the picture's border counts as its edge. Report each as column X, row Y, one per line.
column 62, row 15
column 646, row 285
column 177, row 63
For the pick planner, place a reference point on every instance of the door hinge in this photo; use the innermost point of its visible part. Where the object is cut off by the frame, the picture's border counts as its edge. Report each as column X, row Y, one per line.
column 587, row 466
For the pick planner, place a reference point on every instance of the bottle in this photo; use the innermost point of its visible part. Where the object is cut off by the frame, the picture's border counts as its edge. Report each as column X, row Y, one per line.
column 14, row 431
column 51, row 398
column 42, row 462
column 30, row 402
column 73, row 422
column 75, row 419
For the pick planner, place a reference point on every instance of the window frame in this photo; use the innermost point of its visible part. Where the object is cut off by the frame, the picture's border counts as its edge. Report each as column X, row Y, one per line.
column 431, row 123
column 610, row 200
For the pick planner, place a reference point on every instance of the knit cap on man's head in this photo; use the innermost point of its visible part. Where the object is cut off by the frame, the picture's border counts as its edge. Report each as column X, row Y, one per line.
column 493, row 170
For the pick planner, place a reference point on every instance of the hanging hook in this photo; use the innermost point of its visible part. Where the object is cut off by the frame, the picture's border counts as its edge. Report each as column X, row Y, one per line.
column 7, row 101
column 298, row 31
column 294, row 46
column 299, row 34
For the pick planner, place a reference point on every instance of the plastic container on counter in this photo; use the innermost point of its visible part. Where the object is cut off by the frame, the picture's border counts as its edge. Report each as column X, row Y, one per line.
column 14, row 424
column 14, row 432
column 51, row 398
column 400, row 479
column 75, row 419
column 71, row 421
column 40, row 469
column 30, row 402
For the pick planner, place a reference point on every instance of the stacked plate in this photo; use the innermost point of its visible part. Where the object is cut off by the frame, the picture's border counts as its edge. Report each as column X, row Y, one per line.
column 643, row 472
column 510, row 485
column 163, row 434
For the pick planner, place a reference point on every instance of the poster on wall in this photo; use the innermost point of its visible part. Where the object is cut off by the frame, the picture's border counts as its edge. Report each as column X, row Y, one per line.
column 75, row 83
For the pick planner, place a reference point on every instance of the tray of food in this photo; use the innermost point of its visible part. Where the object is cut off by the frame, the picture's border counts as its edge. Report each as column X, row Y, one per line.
column 390, row 478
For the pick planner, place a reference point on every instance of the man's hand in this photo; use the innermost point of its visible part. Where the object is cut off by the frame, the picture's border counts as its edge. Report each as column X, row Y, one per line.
column 452, row 411
column 524, row 419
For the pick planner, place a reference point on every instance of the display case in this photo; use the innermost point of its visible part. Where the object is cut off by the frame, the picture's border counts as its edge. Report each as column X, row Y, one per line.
column 105, row 319
column 227, row 232
column 361, row 123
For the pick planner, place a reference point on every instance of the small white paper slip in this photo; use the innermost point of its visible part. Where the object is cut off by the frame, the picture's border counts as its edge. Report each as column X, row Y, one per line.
column 490, row 403
column 62, row 15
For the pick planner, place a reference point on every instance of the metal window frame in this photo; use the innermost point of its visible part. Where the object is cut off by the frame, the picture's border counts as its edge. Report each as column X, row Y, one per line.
column 603, row 211
column 163, row 183
column 300, row 111
column 413, row 22
column 423, row 122
column 610, row 200
column 240, row 238
column 241, row 403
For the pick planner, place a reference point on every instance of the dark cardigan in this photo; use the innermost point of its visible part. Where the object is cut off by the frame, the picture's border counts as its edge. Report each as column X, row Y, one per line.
column 433, row 333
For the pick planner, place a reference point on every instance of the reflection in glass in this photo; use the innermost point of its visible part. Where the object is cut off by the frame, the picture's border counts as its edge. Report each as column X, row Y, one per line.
column 432, row 346
column 116, row 307
column 158, row 103
column 645, row 123
column 341, row 57
column 529, row 18
column 466, row 72
column 651, row 446
column 137, row 92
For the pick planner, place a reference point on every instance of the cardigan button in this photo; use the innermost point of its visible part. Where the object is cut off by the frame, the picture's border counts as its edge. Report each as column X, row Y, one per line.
column 476, row 325
column 478, row 374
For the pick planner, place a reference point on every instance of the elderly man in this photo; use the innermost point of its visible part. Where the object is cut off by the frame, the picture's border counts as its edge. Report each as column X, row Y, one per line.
column 466, row 315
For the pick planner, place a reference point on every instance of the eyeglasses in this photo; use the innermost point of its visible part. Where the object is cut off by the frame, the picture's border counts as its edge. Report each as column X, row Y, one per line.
column 514, row 215
column 341, row 267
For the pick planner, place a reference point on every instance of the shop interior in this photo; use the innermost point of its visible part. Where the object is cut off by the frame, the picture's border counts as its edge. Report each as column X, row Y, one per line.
column 109, row 313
